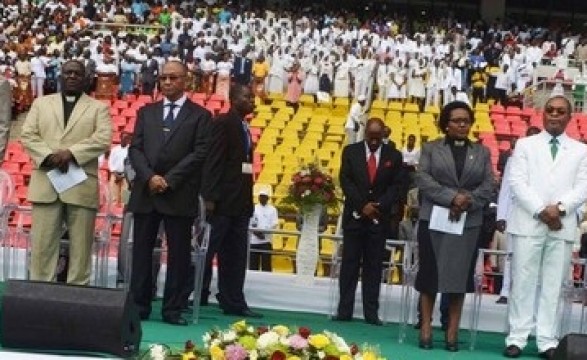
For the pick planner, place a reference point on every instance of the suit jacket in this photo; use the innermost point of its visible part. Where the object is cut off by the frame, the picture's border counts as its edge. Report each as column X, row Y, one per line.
column 537, row 180
column 358, row 190
column 244, row 76
column 179, row 158
column 5, row 114
column 225, row 183
column 88, row 135
column 438, row 183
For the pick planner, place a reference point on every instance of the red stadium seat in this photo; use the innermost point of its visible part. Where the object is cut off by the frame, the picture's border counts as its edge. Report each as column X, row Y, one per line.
column 120, row 104
column 497, row 109
column 217, row 97
column 513, row 110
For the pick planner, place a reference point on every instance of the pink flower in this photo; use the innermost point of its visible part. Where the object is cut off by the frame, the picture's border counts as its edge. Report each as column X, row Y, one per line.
column 298, row 342
column 235, row 352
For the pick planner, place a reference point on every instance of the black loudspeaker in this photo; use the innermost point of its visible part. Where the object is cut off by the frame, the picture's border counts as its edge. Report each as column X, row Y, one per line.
column 572, row 347
column 51, row 316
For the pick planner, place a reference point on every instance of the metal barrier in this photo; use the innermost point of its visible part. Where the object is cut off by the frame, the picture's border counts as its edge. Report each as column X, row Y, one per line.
column 107, row 28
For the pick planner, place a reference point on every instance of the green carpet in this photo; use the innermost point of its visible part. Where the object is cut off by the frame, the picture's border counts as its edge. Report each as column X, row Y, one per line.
column 489, row 345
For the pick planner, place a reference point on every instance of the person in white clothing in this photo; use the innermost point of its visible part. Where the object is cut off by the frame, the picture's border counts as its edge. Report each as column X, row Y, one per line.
column 548, row 179
column 502, row 240
column 118, row 154
column 38, row 65
column 410, row 154
column 355, row 123
column 264, row 218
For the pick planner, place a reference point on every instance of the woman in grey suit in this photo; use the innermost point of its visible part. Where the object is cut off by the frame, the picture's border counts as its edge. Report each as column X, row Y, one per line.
column 454, row 174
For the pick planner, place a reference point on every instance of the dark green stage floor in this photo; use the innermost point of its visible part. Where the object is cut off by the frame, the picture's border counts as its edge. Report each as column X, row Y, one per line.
column 489, row 345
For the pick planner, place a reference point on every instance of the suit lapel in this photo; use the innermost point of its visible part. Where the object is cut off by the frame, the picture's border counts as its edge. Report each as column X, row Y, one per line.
column 446, row 155
column 363, row 166
column 57, row 106
column 470, row 161
column 76, row 115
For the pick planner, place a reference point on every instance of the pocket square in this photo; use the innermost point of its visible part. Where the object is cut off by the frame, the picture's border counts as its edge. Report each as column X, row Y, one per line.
column 388, row 164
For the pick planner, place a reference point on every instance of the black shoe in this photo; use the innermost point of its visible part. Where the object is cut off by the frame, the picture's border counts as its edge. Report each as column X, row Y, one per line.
column 246, row 313
column 341, row 318
column 502, row 300
column 425, row 344
column 144, row 316
column 374, row 321
column 175, row 320
column 512, row 351
column 204, row 301
column 444, row 327
column 548, row 354
column 418, row 325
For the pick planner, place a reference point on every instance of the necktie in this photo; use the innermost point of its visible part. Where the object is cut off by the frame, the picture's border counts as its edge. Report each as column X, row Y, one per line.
column 372, row 167
column 247, row 138
column 168, row 121
column 553, row 147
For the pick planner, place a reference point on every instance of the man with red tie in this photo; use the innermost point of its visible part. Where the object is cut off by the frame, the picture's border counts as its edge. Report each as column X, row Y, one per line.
column 371, row 176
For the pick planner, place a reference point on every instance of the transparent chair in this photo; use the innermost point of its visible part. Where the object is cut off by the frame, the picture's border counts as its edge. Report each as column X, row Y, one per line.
column 6, row 207
column 479, row 277
column 408, row 296
column 333, row 295
column 575, row 290
column 200, row 243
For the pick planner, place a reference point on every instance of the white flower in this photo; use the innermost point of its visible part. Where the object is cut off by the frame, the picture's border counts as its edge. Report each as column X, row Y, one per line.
column 250, row 329
column 216, row 342
column 229, row 336
column 206, row 338
column 157, row 352
column 253, row 355
column 307, row 192
column 267, row 339
column 284, row 341
column 339, row 342
column 321, row 354
column 305, row 172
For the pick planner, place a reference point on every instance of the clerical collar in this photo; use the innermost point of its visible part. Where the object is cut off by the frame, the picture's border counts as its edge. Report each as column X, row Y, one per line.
column 457, row 142
column 70, row 98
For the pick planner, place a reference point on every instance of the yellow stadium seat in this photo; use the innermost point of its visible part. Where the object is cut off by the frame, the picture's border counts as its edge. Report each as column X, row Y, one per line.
column 482, row 107
column 263, row 108
column 264, row 148
column 276, row 124
column 327, row 247
column 269, row 177
column 282, row 264
column 379, row 104
column 341, row 101
column 435, row 110
column 340, row 111
column 307, row 100
column 395, row 106
column 257, row 187
column 258, row 122
column 275, row 96
column 377, row 113
column 315, row 127
column 411, row 108
column 277, row 242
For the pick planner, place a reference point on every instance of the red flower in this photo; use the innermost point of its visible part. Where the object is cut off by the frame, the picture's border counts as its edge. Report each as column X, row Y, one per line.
column 307, row 180
column 314, row 188
column 319, row 180
column 278, row 355
column 304, row 332
column 354, row 349
column 296, row 178
column 262, row 330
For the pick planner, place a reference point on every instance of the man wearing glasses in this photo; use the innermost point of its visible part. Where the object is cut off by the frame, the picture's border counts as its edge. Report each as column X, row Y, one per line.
column 167, row 152
column 548, row 181
column 65, row 133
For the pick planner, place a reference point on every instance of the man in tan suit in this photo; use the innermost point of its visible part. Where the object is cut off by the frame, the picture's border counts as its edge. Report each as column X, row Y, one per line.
column 63, row 130
column 5, row 114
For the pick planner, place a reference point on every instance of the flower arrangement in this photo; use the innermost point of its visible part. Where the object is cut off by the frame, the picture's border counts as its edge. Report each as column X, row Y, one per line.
column 311, row 186
column 244, row 342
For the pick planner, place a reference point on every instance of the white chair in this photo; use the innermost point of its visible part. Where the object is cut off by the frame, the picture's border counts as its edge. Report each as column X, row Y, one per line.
column 408, row 296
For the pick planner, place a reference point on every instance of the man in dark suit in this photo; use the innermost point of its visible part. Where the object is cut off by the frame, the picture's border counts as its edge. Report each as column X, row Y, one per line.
column 227, row 189
column 242, row 69
column 371, row 175
column 167, row 153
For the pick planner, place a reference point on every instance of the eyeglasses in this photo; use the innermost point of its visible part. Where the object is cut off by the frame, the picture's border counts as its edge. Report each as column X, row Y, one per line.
column 74, row 73
column 170, row 77
column 551, row 110
column 461, row 121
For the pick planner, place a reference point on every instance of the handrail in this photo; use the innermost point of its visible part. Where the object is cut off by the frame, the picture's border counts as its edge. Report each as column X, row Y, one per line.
column 145, row 29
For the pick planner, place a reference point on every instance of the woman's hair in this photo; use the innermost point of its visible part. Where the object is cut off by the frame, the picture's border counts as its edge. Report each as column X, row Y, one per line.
column 444, row 116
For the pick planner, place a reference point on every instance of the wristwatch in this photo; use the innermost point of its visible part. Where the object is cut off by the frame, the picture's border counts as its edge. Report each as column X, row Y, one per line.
column 562, row 211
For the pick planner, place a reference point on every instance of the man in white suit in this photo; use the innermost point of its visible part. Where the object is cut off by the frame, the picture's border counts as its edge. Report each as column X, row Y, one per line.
column 548, row 180
column 5, row 114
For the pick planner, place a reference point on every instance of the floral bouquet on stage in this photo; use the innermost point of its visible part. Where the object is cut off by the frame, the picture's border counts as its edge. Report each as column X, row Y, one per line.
column 310, row 187
column 244, row 342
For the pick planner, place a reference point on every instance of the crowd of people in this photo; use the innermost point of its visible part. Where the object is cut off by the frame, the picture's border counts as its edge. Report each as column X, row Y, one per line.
column 53, row 56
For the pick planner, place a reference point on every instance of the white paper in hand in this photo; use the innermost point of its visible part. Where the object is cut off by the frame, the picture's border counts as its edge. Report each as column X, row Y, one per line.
column 64, row 181
column 439, row 221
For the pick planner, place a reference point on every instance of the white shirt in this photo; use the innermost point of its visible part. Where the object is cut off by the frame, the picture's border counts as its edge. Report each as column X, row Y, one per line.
column 355, row 115
column 179, row 103
column 265, row 218
column 116, row 159
column 411, row 157
column 377, row 154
